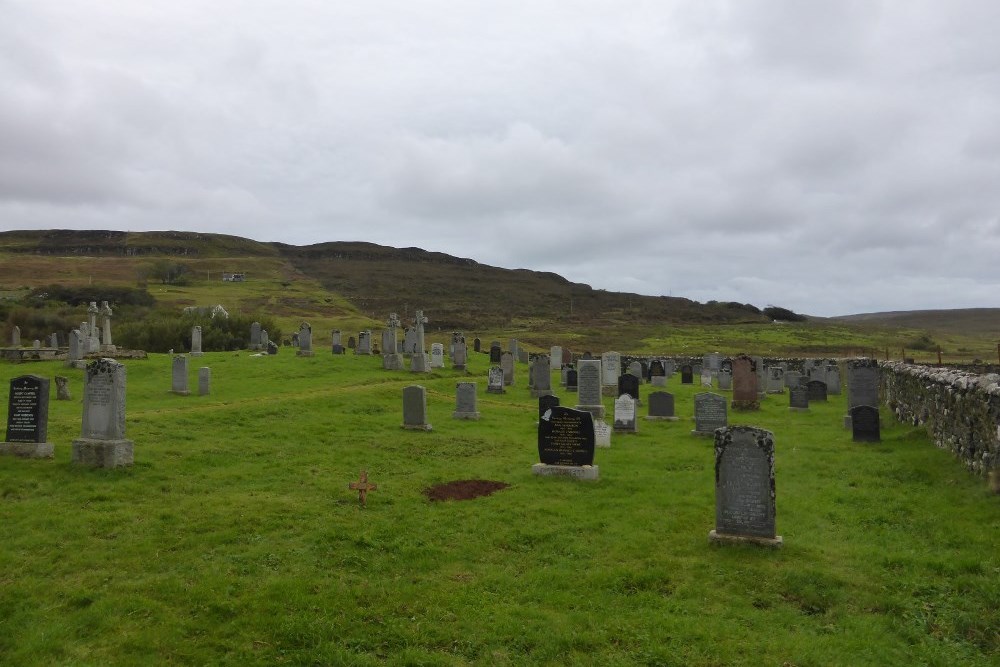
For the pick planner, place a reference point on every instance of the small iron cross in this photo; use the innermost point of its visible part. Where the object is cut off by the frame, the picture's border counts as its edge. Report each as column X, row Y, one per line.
column 362, row 486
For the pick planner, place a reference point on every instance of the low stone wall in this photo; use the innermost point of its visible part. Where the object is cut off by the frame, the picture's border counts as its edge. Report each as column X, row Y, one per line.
column 960, row 410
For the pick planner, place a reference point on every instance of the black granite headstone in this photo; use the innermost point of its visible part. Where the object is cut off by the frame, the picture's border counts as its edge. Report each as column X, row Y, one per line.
column 726, row 365
column 656, row 369
column 661, row 404
column 629, row 384
column 351, row 343
column 28, row 409
column 817, row 390
column 572, row 380
column 798, row 397
column 477, row 345
column 687, row 374
column 546, row 403
column 865, row 425
column 566, row 438
column 495, row 353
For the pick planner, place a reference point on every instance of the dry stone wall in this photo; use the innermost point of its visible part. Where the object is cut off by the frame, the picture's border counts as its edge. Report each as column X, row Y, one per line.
column 960, row 410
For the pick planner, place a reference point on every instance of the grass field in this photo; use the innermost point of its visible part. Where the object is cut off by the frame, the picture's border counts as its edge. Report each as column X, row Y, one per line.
column 234, row 538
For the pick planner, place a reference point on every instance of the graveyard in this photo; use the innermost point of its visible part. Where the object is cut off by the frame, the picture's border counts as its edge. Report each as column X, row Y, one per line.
column 235, row 537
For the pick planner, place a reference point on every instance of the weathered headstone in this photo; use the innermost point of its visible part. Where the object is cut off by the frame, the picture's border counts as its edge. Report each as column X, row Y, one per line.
column 437, row 355
column 75, row 354
column 28, row 418
column 495, row 381
column 602, row 434
column 661, row 406
column 541, row 376
column 102, row 440
column 392, row 360
column 54, row 340
column 657, row 373
column 572, row 380
column 625, row 419
column 94, row 337
column 706, row 377
column 555, row 357
column 744, row 487
column 305, row 341
column 833, row 380
column 512, row 348
column 255, row 336
column 204, row 381
column 862, row 382
column 364, row 343
column 415, row 408
column 477, row 345
column 196, row 342
column 265, row 340
column 272, row 347
column 687, row 374
column 798, row 398
column 635, row 369
column 745, row 395
column 611, row 366
column 62, row 389
column 106, row 313
column 566, row 444
column 758, row 364
column 419, row 362
column 465, row 401
column 709, row 413
column 495, row 353
column 817, row 390
column 15, row 336
column 865, row 425
column 776, row 380
column 460, row 357
column 507, row 364
column 179, row 375
column 725, row 379
column 410, row 340
column 589, row 385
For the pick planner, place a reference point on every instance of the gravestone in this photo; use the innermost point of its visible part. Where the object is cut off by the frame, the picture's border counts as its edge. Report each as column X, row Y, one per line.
column 865, row 425
column 776, row 380
column 611, row 366
column 567, row 356
column 106, row 314
column 204, row 381
column 566, row 444
column 817, row 390
column 495, row 353
column 409, row 340
column 28, row 418
column 546, row 403
column 507, row 364
column 589, row 378
column 392, row 360
column 602, row 434
column 295, row 338
column 725, row 380
column 541, row 376
column 714, row 362
column 761, row 377
column 272, row 347
column 709, row 413
column 337, row 337
column 465, row 401
column 364, row 343
column 15, row 336
column 93, row 334
column 625, row 418
column 555, row 357
column 726, row 365
column 798, row 398
column 419, row 362
column 635, row 369
column 833, row 380
column 460, row 356
column 196, row 342
column 477, row 345
column 706, row 377
column 657, row 373
column 862, row 382
column 179, row 376
column 102, row 440
column 437, row 355
column 255, row 336
column 62, row 389
column 512, row 348
column 572, row 380
column 305, row 341
column 744, row 487
column 629, row 384
column 745, row 395
column 687, row 374
column 792, row 379
column 415, row 408
column 523, row 356
column 495, row 384
column 54, row 340
column 352, row 343
column 265, row 341
column 661, row 406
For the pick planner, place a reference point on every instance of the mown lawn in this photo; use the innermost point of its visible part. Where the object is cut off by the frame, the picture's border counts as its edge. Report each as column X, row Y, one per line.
column 234, row 538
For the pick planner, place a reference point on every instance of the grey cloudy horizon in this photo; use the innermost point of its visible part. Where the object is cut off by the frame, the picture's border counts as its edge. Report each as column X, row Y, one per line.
column 831, row 158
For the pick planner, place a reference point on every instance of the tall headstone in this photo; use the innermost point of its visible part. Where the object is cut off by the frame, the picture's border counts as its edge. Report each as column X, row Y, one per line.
column 611, row 366
column 437, row 355
column 415, row 408
column 758, row 364
column 106, row 313
column 798, row 398
column 541, row 375
column 392, row 360
column 744, row 487
column 709, row 413
column 776, row 380
column 337, row 346
column 465, row 401
column 625, row 417
column 589, row 378
column 102, row 440
column 833, row 379
column 460, row 357
column 305, row 341
column 507, row 364
column 862, row 382
column 865, row 425
column 409, row 340
column 15, row 336
column 75, row 355
column 745, row 393
column 572, row 380
column 419, row 363
column 28, row 418
column 512, row 348
column 179, row 376
column 687, row 374
column 495, row 381
column 725, row 379
column 364, row 343
column 555, row 357
column 255, row 336
column 265, row 340
column 93, row 335
column 196, row 342
column 54, row 340
column 204, row 381
column 661, row 406
column 566, row 444
column 495, row 353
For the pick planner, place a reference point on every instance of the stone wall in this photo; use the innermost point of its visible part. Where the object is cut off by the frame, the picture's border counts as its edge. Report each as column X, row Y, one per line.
column 960, row 410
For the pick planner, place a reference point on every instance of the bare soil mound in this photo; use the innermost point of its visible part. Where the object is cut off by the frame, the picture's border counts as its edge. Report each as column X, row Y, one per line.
column 465, row 489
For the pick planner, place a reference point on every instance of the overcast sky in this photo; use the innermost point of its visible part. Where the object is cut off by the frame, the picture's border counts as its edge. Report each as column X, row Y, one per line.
column 832, row 158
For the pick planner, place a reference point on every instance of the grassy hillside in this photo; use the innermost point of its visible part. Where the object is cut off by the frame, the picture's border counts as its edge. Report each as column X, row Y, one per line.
column 985, row 321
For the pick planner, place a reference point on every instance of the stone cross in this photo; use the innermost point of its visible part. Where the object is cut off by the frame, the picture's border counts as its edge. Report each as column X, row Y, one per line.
column 419, row 321
column 106, row 313
column 362, row 486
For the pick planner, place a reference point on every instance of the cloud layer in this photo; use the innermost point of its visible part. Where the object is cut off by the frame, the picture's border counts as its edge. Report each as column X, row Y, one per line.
column 832, row 158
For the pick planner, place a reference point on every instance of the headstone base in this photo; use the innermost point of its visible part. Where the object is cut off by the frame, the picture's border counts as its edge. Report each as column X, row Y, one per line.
column 745, row 405
column 496, row 390
column 304, row 353
column 28, row 450
column 596, row 410
column 798, row 409
column 661, row 419
column 538, row 393
column 417, row 427
column 186, row 392
column 576, row 472
column 103, row 453
column 465, row 415
column 722, row 538
column 197, row 354
column 573, row 390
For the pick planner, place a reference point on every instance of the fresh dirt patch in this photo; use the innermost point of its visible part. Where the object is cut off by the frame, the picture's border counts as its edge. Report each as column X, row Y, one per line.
column 464, row 489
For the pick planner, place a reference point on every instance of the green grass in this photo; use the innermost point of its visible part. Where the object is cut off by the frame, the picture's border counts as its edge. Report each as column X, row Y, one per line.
column 234, row 539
